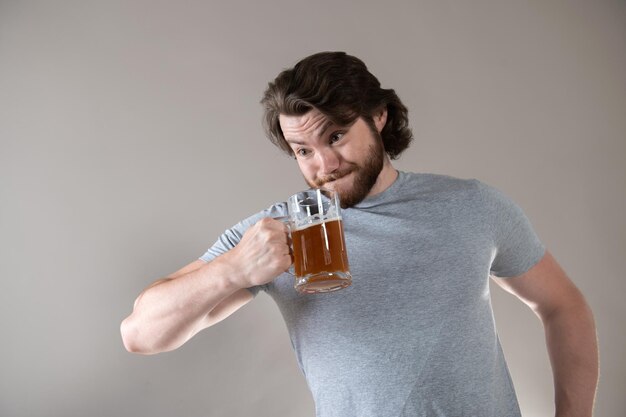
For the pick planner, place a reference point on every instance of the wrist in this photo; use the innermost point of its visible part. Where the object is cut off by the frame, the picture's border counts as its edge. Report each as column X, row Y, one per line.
column 230, row 275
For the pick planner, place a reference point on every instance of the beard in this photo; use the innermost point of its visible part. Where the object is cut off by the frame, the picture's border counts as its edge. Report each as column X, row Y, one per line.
column 365, row 177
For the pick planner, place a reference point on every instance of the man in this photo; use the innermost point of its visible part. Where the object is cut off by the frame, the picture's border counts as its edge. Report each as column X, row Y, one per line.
column 414, row 335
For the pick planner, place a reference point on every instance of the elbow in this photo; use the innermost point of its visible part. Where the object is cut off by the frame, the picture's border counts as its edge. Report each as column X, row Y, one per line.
column 131, row 338
column 575, row 307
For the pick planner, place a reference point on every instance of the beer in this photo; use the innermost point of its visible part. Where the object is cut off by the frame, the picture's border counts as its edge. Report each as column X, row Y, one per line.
column 320, row 261
column 320, row 258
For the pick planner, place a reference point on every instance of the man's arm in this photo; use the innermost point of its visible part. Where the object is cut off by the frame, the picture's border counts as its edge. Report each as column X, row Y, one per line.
column 172, row 310
column 570, row 333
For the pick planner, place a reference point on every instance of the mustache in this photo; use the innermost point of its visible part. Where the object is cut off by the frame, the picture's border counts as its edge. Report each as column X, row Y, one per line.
column 333, row 177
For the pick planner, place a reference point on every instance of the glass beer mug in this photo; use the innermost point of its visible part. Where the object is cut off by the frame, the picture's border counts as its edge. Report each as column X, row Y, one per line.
column 320, row 260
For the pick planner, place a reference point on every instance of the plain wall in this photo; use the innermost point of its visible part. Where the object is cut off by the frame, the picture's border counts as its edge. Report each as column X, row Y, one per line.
column 130, row 138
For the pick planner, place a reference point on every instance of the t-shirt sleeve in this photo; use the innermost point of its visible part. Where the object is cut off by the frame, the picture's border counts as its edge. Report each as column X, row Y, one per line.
column 517, row 247
column 232, row 236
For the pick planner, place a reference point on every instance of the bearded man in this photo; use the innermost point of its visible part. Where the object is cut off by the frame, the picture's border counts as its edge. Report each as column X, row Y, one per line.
column 415, row 335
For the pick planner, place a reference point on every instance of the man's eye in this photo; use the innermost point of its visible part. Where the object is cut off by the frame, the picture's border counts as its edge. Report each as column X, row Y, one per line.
column 302, row 152
column 335, row 137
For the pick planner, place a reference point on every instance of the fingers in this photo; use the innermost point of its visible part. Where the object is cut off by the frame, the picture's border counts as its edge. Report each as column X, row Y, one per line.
column 280, row 231
column 276, row 225
column 269, row 238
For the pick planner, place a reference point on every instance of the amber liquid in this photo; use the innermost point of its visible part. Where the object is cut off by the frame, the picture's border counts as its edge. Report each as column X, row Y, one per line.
column 320, row 257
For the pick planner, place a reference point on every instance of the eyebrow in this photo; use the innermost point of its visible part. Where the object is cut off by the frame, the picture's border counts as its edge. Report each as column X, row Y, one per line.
column 295, row 142
column 327, row 123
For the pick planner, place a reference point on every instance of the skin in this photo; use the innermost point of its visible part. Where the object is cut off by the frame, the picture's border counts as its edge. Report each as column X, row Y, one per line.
column 173, row 309
column 570, row 333
column 340, row 158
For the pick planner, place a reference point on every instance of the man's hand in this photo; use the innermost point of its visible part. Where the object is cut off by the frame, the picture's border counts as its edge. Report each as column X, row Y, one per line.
column 262, row 254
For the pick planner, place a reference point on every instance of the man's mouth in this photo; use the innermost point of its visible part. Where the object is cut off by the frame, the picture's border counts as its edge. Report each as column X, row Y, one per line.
column 332, row 178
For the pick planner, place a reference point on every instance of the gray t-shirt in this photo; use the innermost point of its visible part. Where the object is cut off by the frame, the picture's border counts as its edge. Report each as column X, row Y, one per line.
column 414, row 335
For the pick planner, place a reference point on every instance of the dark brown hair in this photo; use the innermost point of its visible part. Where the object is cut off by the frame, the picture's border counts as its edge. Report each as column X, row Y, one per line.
column 340, row 87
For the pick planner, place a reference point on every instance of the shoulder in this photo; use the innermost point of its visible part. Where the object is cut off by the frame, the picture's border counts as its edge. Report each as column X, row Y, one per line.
column 439, row 184
column 468, row 194
column 275, row 210
column 231, row 236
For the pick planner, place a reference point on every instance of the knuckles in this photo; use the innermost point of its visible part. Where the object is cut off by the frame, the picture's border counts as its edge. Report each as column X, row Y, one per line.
column 268, row 229
column 267, row 237
column 267, row 243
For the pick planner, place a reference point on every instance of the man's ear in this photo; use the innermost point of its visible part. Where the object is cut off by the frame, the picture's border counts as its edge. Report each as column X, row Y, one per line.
column 380, row 118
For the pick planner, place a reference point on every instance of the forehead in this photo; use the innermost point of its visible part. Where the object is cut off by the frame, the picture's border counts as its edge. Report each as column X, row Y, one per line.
column 308, row 125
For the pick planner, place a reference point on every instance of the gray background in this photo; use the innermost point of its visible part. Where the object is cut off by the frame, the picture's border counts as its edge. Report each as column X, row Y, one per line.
column 130, row 138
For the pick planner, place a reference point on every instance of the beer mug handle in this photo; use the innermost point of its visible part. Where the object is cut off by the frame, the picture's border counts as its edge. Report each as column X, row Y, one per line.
column 285, row 220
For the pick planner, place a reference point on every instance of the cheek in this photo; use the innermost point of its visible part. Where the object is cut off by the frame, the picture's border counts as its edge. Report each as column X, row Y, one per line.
column 307, row 169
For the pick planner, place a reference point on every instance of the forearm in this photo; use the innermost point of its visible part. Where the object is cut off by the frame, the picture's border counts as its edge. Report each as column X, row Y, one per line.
column 171, row 311
column 573, row 350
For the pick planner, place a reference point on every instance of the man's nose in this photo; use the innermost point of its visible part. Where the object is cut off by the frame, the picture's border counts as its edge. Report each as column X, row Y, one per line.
column 329, row 161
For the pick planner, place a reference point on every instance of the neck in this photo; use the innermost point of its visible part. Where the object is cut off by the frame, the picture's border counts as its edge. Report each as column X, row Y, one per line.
column 386, row 177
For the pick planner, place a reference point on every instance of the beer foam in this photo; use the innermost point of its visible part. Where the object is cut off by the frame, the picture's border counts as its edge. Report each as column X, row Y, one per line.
column 300, row 224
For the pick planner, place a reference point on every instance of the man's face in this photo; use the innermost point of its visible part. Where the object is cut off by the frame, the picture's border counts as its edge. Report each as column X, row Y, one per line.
column 346, row 159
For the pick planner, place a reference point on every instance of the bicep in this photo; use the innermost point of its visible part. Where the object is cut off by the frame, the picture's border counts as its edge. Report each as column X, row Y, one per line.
column 545, row 288
column 226, row 307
